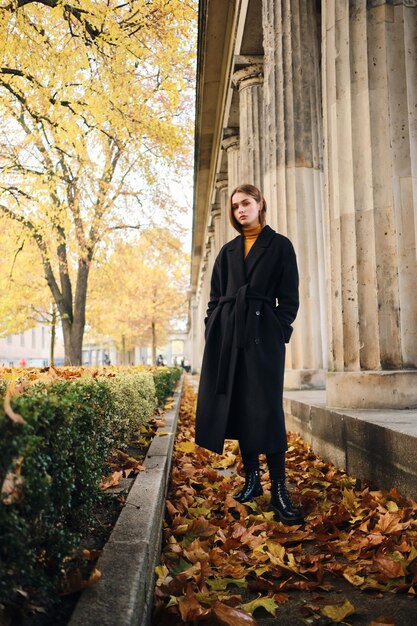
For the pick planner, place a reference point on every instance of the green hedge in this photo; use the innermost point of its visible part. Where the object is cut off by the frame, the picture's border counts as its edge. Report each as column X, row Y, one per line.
column 165, row 380
column 57, row 458
column 134, row 403
column 54, row 463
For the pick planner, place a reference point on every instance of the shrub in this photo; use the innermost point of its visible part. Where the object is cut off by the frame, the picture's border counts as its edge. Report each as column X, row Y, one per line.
column 53, row 464
column 133, row 399
column 165, row 380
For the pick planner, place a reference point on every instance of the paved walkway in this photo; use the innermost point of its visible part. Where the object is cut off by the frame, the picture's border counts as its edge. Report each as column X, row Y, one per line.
column 124, row 596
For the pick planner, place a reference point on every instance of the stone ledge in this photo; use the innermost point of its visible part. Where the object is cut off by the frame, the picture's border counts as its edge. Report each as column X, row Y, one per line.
column 124, row 594
column 392, row 389
column 375, row 445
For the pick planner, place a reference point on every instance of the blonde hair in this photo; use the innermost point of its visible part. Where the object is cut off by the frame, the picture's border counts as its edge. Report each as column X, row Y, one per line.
column 254, row 192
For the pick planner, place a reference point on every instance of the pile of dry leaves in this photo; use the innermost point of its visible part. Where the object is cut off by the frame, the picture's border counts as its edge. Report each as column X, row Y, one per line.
column 216, row 549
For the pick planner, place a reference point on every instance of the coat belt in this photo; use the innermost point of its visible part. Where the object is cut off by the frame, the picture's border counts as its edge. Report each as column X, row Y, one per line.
column 239, row 299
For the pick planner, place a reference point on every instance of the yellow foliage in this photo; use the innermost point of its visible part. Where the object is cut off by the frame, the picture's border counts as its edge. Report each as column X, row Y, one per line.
column 140, row 290
column 94, row 97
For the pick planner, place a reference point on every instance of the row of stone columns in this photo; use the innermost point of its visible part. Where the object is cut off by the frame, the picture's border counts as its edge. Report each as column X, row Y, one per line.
column 328, row 130
column 370, row 130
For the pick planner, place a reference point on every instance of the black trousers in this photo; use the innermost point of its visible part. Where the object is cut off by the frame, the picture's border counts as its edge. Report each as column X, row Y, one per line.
column 276, row 463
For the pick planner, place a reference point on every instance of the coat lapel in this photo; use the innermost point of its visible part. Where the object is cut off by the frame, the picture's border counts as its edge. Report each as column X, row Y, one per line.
column 258, row 249
column 237, row 262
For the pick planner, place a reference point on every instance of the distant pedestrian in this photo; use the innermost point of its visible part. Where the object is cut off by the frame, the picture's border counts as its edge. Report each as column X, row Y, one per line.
column 241, row 383
column 22, row 362
column 160, row 360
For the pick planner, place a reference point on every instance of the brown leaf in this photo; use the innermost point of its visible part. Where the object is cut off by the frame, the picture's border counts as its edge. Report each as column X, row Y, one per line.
column 189, row 606
column 75, row 582
column 229, row 616
column 12, row 484
column 391, row 523
column 382, row 621
column 10, row 392
column 91, row 555
column 389, row 567
column 111, row 481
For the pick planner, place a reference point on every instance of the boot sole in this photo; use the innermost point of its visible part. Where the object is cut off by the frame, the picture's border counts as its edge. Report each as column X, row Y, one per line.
column 288, row 522
column 258, row 495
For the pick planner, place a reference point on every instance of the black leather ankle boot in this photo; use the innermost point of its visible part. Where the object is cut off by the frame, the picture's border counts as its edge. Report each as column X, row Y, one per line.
column 252, row 488
column 282, row 506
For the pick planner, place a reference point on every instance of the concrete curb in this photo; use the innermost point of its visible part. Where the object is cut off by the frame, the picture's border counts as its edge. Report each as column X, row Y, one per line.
column 124, row 594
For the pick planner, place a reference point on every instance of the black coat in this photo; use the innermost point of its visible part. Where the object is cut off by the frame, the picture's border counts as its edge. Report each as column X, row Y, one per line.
column 253, row 302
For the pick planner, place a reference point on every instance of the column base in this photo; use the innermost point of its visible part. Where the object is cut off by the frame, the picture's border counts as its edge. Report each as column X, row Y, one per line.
column 304, row 379
column 393, row 389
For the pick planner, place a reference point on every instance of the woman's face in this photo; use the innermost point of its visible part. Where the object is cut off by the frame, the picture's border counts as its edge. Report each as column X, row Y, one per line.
column 245, row 209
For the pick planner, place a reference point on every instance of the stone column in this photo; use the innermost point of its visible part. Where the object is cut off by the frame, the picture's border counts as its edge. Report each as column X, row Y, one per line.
column 231, row 145
column 293, row 172
column 370, row 124
column 193, row 333
column 249, row 81
column 216, row 225
column 222, row 198
column 203, row 292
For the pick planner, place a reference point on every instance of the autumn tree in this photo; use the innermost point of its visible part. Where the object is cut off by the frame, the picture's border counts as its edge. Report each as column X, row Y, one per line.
column 24, row 295
column 139, row 293
column 94, row 97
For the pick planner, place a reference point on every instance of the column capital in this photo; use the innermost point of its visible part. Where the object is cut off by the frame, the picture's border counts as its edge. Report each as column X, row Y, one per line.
column 231, row 143
column 221, row 182
column 214, row 212
column 248, row 76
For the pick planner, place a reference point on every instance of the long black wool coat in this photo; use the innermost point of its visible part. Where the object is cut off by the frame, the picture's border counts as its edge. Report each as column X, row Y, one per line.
column 253, row 302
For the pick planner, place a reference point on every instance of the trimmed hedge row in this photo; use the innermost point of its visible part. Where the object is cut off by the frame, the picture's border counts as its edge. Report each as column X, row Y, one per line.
column 51, row 467
column 165, row 380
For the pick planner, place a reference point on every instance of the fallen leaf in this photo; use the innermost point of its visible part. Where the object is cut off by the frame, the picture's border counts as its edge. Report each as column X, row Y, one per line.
column 189, row 606
column 12, row 483
column 229, row 616
column 268, row 604
column 74, row 581
column 186, row 446
column 220, row 584
column 111, row 481
column 387, row 565
column 382, row 621
column 339, row 613
column 10, row 392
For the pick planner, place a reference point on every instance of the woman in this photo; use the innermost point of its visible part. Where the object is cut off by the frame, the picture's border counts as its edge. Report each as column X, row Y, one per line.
column 253, row 301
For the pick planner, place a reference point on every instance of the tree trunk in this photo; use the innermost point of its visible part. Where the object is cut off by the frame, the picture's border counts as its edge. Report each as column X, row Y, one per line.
column 53, row 336
column 73, row 326
column 153, row 343
column 123, row 350
column 73, row 343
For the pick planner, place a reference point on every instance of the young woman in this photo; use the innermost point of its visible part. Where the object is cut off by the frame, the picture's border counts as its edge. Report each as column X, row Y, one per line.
column 253, row 301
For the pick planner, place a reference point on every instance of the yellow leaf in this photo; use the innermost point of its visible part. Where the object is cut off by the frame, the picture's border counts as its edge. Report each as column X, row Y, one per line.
column 268, row 604
column 162, row 575
column 186, row 446
column 339, row 613
column 354, row 578
column 15, row 417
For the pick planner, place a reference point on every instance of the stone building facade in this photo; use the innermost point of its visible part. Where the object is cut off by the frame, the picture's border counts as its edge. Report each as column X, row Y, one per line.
column 315, row 102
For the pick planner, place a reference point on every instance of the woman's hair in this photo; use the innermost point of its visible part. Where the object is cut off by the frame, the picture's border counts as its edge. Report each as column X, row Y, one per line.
column 253, row 191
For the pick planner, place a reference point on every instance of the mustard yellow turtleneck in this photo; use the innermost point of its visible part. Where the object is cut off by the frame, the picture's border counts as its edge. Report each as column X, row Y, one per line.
column 250, row 235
